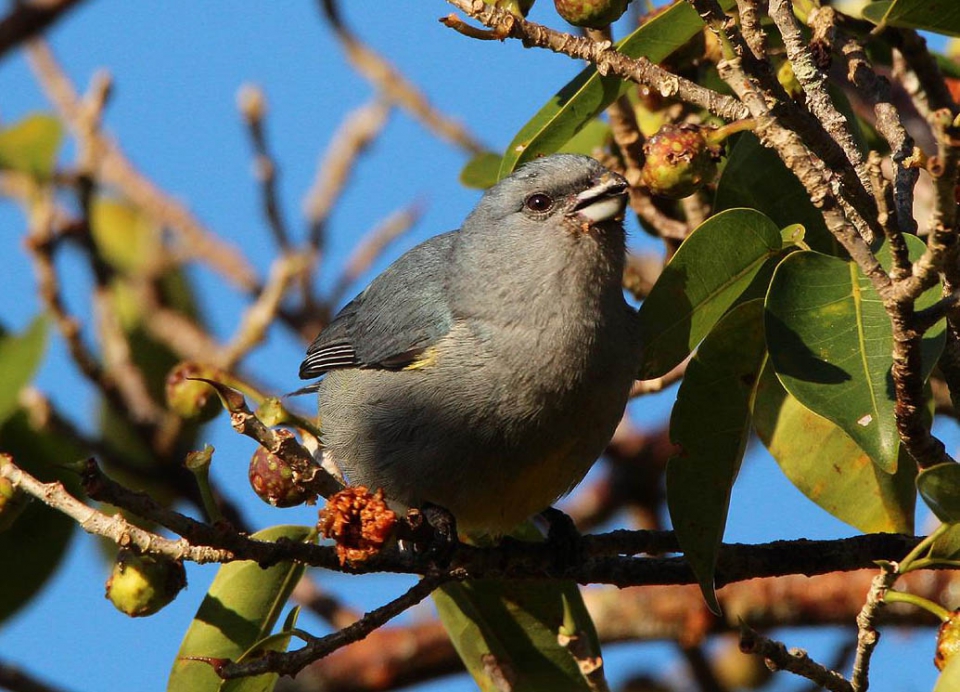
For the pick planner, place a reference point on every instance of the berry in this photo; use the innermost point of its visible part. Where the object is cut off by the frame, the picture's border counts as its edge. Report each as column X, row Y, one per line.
column 517, row 7
column 143, row 584
column 273, row 480
column 679, row 160
column 12, row 500
column 190, row 398
column 592, row 14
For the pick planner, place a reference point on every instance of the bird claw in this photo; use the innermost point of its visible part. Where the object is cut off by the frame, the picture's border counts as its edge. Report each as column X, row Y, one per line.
column 433, row 529
column 564, row 538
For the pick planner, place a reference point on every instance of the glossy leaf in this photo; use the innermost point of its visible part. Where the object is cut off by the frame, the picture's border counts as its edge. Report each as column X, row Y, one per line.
column 588, row 94
column 711, row 424
column 38, row 539
column 20, row 356
column 939, row 487
column 278, row 642
column 30, row 146
column 241, row 608
column 504, row 627
column 728, row 258
column 755, row 177
column 483, row 170
column 939, row 16
column 830, row 341
column 834, row 472
column 947, row 545
column 509, row 628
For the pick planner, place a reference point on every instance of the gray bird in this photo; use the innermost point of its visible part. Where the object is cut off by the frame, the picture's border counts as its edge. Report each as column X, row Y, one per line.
column 486, row 369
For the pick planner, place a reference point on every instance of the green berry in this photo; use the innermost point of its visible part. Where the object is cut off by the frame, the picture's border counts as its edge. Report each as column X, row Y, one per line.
column 273, row 480
column 678, row 161
column 517, row 7
column 592, row 14
column 190, row 398
column 141, row 585
column 12, row 500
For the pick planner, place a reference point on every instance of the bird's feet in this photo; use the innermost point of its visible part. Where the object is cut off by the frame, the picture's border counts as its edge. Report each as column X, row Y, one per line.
column 433, row 529
column 564, row 538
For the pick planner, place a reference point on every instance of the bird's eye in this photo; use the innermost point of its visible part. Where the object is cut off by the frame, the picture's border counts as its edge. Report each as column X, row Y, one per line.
column 539, row 202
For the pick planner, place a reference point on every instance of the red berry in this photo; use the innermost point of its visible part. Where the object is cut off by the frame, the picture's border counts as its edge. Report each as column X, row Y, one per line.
column 273, row 480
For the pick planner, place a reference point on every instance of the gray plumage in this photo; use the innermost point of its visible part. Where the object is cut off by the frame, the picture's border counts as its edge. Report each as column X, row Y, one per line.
column 487, row 368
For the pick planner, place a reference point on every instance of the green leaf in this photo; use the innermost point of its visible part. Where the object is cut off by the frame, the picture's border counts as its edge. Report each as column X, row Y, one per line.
column 31, row 145
column 727, row 259
column 947, row 545
column 939, row 16
column 20, row 356
column 711, row 424
column 755, row 177
column 504, row 628
column 939, row 487
column 40, row 536
column 239, row 610
column 584, row 98
column 277, row 642
column 481, row 171
column 830, row 342
column 124, row 236
column 834, row 472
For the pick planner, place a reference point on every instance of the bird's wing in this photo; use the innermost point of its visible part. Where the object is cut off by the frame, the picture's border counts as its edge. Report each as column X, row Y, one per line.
column 394, row 320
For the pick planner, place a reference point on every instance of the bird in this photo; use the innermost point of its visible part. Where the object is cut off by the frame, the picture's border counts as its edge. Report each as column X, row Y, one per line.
column 486, row 369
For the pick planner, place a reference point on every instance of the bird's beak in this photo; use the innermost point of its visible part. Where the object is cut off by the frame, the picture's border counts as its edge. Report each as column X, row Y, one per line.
column 605, row 200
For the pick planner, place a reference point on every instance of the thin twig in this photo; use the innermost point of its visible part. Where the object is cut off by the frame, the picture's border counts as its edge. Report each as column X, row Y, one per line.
column 113, row 168
column 867, row 635
column 658, row 384
column 292, row 662
column 395, row 87
column 253, row 107
column 922, row 79
column 261, row 315
column 876, row 90
column 795, row 661
column 357, row 132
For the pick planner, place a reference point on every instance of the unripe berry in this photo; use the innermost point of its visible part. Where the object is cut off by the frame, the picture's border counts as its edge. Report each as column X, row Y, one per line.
column 12, row 500
column 592, row 14
column 679, row 160
column 273, row 480
column 517, row 7
column 190, row 398
column 143, row 584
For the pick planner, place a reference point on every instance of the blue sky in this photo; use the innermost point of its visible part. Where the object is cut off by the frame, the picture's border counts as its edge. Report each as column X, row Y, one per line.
column 177, row 66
